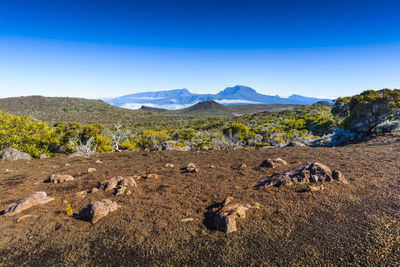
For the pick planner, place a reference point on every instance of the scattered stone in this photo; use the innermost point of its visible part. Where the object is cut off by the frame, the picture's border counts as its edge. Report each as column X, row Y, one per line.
column 37, row 198
column 242, row 166
column 119, row 184
column 313, row 172
column 7, row 170
column 98, row 161
column 112, row 183
column 120, row 190
column 224, row 216
column 91, row 170
column 94, row 190
column 22, row 218
column 67, row 164
column 338, row 176
column 43, row 156
column 169, row 165
column 312, row 188
column 81, row 194
column 187, row 220
column 128, row 192
column 273, row 163
column 191, row 168
column 129, row 181
column 212, row 166
column 97, row 210
column 78, row 154
column 12, row 154
column 150, row 176
column 60, row 178
column 295, row 143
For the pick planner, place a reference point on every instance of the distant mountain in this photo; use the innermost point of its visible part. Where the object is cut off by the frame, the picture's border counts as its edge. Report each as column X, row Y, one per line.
column 181, row 98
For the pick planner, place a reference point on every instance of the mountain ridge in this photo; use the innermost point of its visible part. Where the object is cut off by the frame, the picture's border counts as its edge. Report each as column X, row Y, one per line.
column 182, row 98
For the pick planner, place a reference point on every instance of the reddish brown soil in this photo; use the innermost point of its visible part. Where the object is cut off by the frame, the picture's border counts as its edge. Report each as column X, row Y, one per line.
column 357, row 223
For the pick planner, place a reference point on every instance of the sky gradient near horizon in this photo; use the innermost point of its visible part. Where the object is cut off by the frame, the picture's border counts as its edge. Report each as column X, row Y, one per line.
column 98, row 48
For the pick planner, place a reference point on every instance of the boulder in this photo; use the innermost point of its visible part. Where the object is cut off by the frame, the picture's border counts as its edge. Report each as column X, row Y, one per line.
column 60, row 178
column 312, row 172
column 37, row 198
column 273, row 163
column 12, row 154
column 97, row 210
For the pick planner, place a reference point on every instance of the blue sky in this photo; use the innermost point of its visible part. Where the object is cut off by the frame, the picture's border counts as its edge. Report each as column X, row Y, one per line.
column 99, row 48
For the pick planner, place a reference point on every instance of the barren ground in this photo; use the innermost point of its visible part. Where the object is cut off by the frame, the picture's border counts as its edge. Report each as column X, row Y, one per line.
column 357, row 223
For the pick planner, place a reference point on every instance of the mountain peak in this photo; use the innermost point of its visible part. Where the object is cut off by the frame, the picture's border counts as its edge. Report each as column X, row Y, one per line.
column 237, row 90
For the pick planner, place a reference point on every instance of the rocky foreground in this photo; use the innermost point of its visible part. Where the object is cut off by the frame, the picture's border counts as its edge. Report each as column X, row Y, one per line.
column 293, row 205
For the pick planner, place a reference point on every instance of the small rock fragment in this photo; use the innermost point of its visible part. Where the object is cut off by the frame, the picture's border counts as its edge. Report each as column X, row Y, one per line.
column 98, row 161
column 91, row 170
column 169, row 165
column 112, row 183
column 212, row 166
column 314, row 188
column 42, row 156
column 94, row 190
column 128, row 192
column 187, row 220
column 67, row 164
column 60, row 178
column 129, row 181
column 151, row 176
column 242, row 166
column 191, row 168
column 120, row 190
column 273, row 163
column 81, row 194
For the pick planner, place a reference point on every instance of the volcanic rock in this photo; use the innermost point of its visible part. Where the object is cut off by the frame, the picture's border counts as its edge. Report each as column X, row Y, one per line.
column 273, row 163
column 97, row 210
column 313, row 172
column 37, row 198
column 12, row 154
column 60, row 178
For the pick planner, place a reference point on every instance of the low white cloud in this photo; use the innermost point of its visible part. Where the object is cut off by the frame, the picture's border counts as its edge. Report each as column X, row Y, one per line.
column 145, row 98
column 166, row 106
column 236, row 101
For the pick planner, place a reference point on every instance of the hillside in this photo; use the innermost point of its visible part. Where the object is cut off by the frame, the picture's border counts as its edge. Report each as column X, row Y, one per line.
column 354, row 223
column 64, row 109
column 205, row 108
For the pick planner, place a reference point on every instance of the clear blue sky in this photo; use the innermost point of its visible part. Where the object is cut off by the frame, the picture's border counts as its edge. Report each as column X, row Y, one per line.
column 110, row 48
